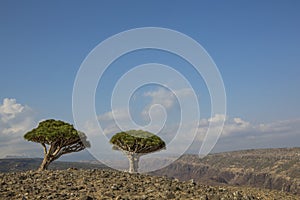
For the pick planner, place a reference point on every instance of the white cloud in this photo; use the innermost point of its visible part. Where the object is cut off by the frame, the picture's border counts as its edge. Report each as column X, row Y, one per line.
column 15, row 121
column 106, row 122
column 184, row 93
column 239, row 127
column 237, row 133
column 161, row 96
column 241, row 134
column 9, row 109
column 280, row 126
column 167, row 98
column 115, row 114
column 216, row 119
column 162, row 100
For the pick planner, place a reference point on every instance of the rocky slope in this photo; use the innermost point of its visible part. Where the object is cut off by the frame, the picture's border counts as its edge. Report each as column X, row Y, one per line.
column 109, row 184
column 265, row 168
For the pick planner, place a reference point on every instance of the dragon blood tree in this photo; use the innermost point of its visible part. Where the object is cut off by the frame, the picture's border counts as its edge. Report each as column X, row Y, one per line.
column 136, row 143
column 57, row 138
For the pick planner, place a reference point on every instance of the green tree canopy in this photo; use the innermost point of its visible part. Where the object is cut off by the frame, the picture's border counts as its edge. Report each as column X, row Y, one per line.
column 135, row 143
column 62, row 138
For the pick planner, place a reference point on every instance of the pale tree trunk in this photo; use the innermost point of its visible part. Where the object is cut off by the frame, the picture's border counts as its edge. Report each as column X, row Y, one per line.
column 45, row 164
column 133, row 162
column 48, row 157
column 136, row 159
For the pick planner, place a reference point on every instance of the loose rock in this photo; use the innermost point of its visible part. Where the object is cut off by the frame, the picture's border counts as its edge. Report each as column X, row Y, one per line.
column 109, row 184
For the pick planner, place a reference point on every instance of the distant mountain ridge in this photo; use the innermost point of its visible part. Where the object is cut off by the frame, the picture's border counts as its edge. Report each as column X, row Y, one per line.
column 264, row 168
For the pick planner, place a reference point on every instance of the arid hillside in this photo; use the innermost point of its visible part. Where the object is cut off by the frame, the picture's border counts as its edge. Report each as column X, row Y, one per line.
column 263, row 168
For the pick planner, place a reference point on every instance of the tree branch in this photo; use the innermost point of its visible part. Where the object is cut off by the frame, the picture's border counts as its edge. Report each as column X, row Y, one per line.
column 45, row 148
column 55, row 153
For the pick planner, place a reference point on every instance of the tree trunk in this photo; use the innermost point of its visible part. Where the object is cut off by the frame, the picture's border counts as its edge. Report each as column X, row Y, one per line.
column 45, row 164
column 49, row 155
column 136, row 162
column 133, row 162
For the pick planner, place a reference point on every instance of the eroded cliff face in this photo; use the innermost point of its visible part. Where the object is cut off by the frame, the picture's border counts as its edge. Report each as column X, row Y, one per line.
column 265, row 168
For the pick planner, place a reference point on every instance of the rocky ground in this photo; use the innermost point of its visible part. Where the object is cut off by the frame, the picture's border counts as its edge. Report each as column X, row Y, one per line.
column 109, row 184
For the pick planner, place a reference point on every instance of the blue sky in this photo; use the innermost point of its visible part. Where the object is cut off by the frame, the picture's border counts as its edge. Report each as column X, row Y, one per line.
column 255, row 45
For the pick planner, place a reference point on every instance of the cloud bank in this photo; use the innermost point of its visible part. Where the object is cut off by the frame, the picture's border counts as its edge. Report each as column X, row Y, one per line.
column 238, row 133
column 15, row 120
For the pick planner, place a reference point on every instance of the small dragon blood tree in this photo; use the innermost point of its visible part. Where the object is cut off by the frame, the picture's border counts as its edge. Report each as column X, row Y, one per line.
column 136, row 143
column 60, row 138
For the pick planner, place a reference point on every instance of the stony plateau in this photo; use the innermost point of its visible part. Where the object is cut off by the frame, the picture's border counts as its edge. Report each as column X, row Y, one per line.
column 88, row 184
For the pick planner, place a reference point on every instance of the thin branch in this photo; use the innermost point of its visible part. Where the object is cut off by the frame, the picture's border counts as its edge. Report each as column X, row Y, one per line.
column 53, row 146
column 45, row 148
column 55, row 153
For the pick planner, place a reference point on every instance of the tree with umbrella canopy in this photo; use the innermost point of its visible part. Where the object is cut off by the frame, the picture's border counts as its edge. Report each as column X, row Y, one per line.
column 136, row 143
column 60, row 138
